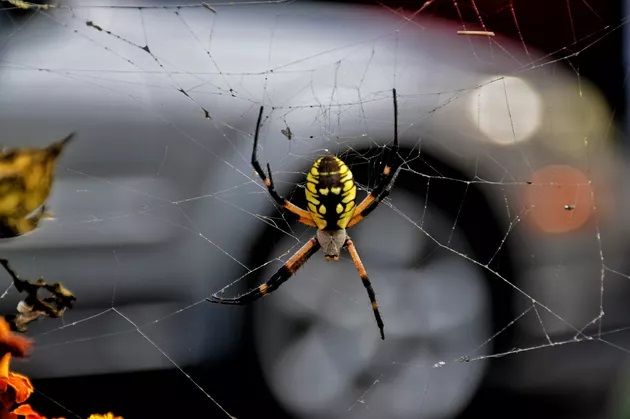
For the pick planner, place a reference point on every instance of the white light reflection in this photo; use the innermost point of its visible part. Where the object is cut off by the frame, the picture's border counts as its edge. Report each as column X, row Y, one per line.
column 506, row 109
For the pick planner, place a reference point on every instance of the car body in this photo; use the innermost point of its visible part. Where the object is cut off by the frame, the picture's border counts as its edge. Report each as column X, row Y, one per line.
column 509, row 191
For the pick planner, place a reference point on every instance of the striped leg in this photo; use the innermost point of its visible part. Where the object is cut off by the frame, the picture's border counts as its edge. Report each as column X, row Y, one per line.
column 303, row 216
column 370, row 203
column 366, row 283
column 388, row 176
column 281, row 276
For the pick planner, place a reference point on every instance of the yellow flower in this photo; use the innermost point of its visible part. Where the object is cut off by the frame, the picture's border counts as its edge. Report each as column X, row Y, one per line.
column 27, row 177
column 109, row 415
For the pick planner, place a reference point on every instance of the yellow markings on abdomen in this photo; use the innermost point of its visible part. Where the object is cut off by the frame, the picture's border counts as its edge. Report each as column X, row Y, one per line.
column 330, row 193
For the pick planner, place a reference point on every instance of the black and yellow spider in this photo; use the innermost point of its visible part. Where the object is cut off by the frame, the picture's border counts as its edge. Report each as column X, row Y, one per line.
column 331, row 201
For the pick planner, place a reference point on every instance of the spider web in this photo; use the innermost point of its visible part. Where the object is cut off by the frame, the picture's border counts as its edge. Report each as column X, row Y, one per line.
column 498, row 260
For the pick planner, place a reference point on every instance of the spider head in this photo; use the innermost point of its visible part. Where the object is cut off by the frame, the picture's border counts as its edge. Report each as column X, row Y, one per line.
column 332, row 242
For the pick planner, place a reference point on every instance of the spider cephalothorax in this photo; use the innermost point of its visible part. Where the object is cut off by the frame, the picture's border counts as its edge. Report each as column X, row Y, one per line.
column 331, row 202
column 331, row 242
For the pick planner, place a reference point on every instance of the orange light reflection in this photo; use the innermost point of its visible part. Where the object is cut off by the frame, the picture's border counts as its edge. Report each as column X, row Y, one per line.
column 559, row 198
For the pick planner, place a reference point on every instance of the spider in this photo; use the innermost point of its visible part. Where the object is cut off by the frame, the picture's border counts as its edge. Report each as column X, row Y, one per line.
column 331, row 202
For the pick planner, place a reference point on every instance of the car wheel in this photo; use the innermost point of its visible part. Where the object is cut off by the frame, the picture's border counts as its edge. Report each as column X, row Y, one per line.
column 317, row 341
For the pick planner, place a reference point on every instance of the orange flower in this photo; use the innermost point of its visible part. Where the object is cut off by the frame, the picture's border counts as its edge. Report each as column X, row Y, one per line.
column 27, row 411
column 14, row 388
column 12, row 343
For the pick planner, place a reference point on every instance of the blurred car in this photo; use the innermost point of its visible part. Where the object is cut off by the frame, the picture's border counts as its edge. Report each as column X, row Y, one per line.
column 495, row 235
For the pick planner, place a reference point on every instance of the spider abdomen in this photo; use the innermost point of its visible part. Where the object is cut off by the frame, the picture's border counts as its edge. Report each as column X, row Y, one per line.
column 330, row 193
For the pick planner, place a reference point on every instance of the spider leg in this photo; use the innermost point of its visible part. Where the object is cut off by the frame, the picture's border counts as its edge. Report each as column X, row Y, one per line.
column 303, row 216
column 366, row 283
column 281, row 276
column 393, row 151
column 391, row 167
column 372, row 200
